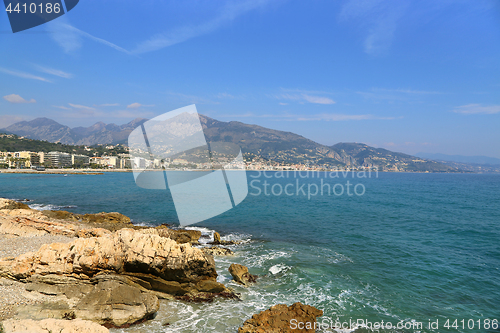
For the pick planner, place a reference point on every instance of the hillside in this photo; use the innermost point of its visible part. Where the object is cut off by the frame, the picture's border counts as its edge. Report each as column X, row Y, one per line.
column 275, row 147
column 13, row 143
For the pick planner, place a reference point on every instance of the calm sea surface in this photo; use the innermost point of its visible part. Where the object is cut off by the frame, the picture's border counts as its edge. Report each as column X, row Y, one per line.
column 412, row 248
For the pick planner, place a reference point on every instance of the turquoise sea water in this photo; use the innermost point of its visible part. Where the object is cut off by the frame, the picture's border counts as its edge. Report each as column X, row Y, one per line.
column 413, row 247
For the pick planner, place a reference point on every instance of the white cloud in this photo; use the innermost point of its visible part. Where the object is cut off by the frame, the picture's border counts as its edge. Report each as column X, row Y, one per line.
column 477, row 109
column 16, row 99
column 110, row 104
column 81, row 107
column 70, row 38
column 62, row 107
column 53, row 71
column 342, row 117
column 230, row 11
column 7, row 120
column 23, row 75
column 307, row 98
column 138, row 105
column 379, row 18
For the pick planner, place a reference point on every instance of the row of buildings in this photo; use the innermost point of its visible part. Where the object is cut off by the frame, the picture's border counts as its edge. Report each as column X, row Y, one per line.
column 55, row 159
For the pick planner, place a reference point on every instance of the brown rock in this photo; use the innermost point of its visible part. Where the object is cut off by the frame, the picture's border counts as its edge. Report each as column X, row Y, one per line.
column 241, row 275
column 94, row 232
column 180, row 236
column 218, row 251
column 216, row 238
column 124, row 251
column 283, row 319
column 52, row 325
column 114, row 304
column 11, row 204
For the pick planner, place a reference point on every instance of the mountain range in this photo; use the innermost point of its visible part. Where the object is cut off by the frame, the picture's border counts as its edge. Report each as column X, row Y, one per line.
column 254, row 140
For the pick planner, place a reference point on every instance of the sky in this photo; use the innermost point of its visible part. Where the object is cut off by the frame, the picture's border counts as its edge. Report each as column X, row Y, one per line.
column 409, row 76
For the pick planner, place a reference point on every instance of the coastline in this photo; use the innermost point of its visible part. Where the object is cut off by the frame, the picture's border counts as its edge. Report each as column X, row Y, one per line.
column 46, row 291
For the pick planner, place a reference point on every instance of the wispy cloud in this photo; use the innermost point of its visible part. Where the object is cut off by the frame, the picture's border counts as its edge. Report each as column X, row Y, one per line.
column 306, row 98
column 230, row 11
column 379, row 19
column 53, row 71
column 396, row 94
column 16, row 99
column 477, row 109
column 23, row 75
column 137, row 105
column 342, row 117
column 62, row 107
column 82, row 107
column 315, row 117
column 110, row 104
column 70, row 37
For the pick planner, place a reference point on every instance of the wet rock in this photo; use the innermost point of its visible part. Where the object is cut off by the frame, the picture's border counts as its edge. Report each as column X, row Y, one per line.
column 283, row 319
column 217, row 238
column 241, row 275
column 218, row 251
column 52, row 325
column 11, row 204
column 181, row 236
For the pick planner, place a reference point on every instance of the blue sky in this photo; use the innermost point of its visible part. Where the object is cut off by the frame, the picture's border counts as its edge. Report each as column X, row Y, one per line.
column 410, row 76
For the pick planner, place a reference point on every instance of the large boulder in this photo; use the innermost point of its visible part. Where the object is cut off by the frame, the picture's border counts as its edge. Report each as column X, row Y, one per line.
column 115, row 304
column 51, row 325
column 241, row 275
column 124, row 251
column 296, row 318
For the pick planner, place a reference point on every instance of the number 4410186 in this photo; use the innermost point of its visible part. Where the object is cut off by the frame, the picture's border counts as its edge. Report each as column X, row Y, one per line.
column 33, row 8
column 472, row 324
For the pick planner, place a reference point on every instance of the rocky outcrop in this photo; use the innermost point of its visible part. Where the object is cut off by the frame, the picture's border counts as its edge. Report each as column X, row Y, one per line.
column 218, row 251
column 23, row 225
column 124, row 251
column 181, row 236
column 297, row 318
column 218, row 241
column 241, row 275
column 11, row 204
column 111, row 221
column 51, row 325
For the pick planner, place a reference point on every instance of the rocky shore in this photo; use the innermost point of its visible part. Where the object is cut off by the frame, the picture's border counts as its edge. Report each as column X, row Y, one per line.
column 67, row 272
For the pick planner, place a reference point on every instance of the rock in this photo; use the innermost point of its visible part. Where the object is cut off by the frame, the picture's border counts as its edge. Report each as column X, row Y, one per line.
column 116, row 305
column 241, row 275
column 24, row 226
column 52, row 325
column 94, row 232
column 217, row 251
column 218, row 241
column 11, row 204
column 180, row 236
column 106, row 218
column 281, row 318
column 110, row 221
column 124, row 251
column 55, row 285
column 216, row 238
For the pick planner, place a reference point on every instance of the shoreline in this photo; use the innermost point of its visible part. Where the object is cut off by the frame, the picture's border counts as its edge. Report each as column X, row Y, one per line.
column 104, row 171
column 46, row 291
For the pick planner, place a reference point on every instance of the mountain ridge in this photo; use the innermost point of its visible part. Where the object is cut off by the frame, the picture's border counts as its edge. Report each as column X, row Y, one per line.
column 278, row 147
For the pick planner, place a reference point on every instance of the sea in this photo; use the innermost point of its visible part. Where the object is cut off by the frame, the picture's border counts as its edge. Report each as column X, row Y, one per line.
column 380, row 252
